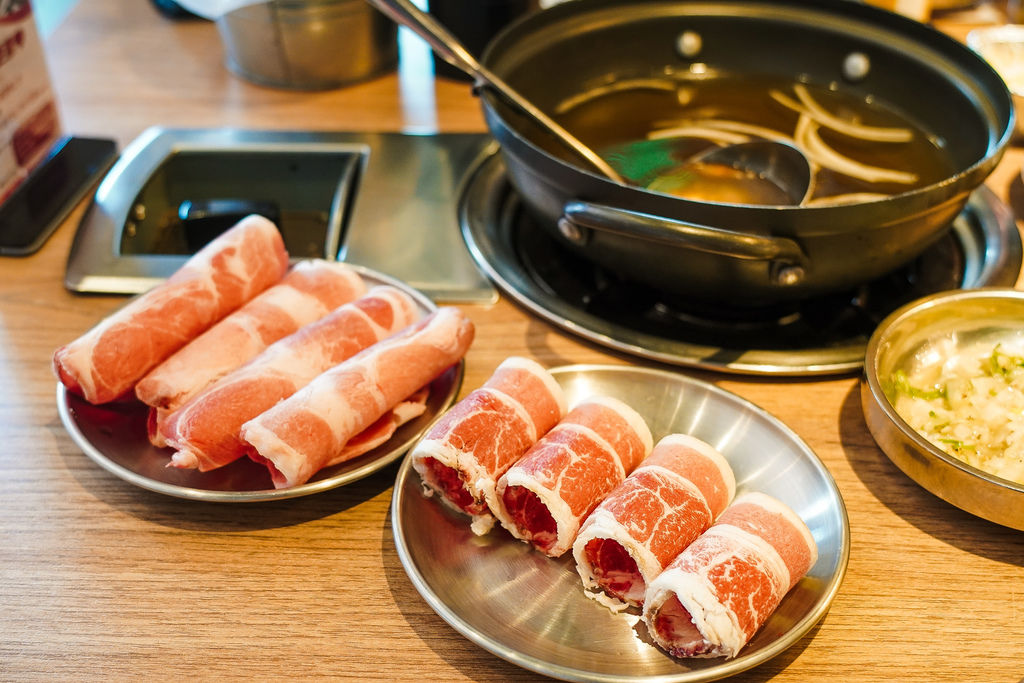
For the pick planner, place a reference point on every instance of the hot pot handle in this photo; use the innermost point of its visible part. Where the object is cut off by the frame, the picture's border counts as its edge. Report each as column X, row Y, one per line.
column 787, row 258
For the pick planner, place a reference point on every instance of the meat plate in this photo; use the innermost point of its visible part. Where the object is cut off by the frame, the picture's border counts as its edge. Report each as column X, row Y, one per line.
column 114, row 436
column 530, row 609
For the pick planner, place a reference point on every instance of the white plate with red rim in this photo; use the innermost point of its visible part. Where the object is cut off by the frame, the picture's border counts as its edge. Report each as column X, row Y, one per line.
column 114, row 436
column 530, row 609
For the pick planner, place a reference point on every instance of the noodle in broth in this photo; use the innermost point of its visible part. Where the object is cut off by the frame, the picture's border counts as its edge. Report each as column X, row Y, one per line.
column 859, row 149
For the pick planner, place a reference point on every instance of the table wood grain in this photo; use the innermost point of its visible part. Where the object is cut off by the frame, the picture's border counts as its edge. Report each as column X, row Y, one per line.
column 103, row 580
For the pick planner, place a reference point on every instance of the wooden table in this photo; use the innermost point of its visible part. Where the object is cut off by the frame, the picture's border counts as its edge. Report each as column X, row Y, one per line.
column 103, row 580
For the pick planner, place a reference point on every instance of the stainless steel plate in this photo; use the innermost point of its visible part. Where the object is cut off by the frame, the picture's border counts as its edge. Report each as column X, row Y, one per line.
column 114, row 436
column 531, row 610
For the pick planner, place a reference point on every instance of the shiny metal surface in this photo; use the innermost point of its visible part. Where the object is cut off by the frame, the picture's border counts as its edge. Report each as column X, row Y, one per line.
column 308, row 44
column 965, row 317
column 397, row 217
column 778, row 162
column 986, row 232
column 404, row 219
column 114, row 436
column 530, row 609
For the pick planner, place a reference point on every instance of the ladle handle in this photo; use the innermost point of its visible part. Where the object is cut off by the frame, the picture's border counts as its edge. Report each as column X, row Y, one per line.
column 448, row 47
column 440, row 39
column 785, row 254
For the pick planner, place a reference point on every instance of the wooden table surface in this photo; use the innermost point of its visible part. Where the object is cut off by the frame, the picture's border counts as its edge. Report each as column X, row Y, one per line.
column 100, row 579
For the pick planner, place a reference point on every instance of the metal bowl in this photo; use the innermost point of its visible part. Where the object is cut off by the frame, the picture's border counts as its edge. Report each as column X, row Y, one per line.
column 961, row 317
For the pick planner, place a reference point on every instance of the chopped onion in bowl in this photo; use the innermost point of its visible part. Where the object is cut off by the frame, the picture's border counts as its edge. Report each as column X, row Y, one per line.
column 969, row 402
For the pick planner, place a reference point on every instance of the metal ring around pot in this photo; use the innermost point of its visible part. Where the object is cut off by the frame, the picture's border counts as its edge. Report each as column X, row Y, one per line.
column 788, row 260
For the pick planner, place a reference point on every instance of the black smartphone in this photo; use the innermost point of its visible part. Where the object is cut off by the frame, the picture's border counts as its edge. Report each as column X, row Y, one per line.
column 43, row 200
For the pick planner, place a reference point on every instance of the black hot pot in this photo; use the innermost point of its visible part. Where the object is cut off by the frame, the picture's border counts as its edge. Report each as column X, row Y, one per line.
column 742, row 254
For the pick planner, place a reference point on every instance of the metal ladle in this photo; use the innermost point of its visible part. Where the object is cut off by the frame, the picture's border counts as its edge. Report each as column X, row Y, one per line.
column 778, row 163
column 452, row 51
column 654, row 163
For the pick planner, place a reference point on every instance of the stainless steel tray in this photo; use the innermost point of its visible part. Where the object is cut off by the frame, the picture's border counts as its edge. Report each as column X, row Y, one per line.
column 530, row 610
column 386, row 201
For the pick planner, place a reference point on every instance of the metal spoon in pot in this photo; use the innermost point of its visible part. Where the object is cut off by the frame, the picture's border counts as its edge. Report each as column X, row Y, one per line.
column 765, row 172
column 452, row 51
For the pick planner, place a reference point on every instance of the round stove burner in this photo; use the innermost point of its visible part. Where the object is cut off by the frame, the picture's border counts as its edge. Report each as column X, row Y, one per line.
column 818, row 336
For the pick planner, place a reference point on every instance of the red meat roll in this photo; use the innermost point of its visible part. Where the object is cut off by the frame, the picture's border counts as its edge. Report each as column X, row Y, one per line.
column 107, row 361
column 384, row 428
column 461, row 457
column 544, row 498
column 309, row 291
column 712, row 599
column 205, row 431
column 667, row 502
column 309, row 430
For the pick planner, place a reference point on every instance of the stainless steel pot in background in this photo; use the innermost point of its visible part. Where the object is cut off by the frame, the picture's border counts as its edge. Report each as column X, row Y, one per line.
column 743, row 255
column 308, row 44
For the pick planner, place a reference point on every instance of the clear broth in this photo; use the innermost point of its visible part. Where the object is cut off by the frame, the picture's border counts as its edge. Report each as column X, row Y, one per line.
column 606, row 121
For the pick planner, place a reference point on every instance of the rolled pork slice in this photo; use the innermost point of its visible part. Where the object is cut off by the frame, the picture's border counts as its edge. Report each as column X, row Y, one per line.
column 205, row 432
column 308, row 431
column 464, row 453
column 713, row 598
column 309, row 291
column 105, row 363
column 647, row 520
column 378, row 433
column 544, row 498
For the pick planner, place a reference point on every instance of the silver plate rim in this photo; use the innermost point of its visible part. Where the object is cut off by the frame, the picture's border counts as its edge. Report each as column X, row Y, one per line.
column 384, row 455
column 407, row 479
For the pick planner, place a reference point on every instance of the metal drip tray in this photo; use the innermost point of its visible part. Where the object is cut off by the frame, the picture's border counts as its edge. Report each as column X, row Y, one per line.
column 824, row 335
column 386, row 201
